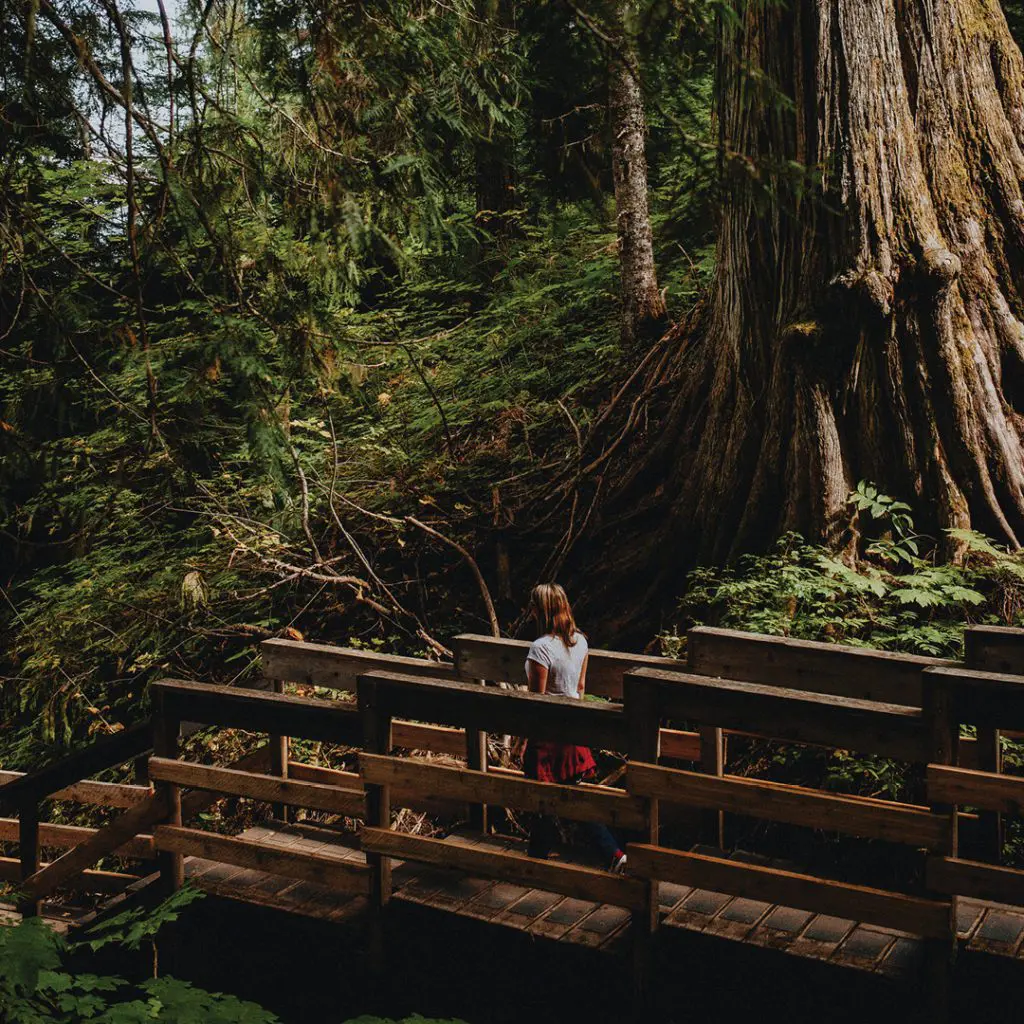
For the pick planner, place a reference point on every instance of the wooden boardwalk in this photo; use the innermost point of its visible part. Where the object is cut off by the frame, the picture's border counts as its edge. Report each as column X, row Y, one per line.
column 670, row 721
column 982, row 927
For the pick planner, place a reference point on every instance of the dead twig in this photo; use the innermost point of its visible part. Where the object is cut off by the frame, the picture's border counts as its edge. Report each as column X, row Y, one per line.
column 305, row 503
column 471, row 562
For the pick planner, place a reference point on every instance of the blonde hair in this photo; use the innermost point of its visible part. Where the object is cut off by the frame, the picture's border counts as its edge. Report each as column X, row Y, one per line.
column 550, row 607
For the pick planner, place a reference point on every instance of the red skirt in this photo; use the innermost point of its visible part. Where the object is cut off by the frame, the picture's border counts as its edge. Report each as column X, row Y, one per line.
column 557, row 762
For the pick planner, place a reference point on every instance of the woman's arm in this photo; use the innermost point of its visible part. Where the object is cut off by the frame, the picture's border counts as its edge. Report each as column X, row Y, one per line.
column 582, row 688
column 537, row 676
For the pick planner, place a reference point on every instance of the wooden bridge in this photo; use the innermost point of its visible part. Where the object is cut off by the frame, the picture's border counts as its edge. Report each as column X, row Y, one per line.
column 670, row 719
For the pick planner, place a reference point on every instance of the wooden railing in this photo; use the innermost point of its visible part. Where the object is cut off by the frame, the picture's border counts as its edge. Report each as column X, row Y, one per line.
column 905, row 708
column 25, row 794
column 125, row 837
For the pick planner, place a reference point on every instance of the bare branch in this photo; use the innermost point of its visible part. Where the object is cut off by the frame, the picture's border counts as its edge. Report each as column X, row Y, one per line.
column 472, row 563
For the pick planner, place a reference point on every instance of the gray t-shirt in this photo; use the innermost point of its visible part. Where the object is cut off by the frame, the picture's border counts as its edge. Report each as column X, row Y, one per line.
column 564, row 664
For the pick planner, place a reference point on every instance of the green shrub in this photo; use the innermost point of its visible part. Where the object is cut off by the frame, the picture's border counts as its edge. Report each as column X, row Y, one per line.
column 891, row 589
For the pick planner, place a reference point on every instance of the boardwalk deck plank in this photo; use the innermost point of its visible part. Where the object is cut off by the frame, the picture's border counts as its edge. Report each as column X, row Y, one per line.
column 600, row 927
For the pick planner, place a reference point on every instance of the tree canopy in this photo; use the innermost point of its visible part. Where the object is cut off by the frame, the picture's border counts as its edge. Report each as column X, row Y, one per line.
column 312, row 315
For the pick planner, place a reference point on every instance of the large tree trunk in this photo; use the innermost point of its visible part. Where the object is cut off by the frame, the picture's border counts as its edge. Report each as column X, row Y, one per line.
column 643, row 307
column 866, row 326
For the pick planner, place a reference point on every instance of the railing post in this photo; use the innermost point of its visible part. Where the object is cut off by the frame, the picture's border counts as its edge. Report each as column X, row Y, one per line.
column 643, row 723
column 990, row 823
column 376, row 724
column 166, row 729
column 990, row 754
column 943, row 741
column 712, row 762
column 279, row 758
column 28, row 853
column 476, row 760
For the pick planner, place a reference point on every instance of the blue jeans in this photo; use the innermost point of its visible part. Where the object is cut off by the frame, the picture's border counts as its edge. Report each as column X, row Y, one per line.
column 544, row 835
column 602, row 837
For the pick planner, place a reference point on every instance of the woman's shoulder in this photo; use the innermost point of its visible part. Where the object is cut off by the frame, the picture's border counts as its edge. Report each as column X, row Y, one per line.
column 581, row 640
column 540, row 649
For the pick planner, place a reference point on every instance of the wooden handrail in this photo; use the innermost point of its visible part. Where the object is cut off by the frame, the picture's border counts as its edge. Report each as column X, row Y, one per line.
column 983, row 698
column 970, row 878
column 838, row 669
column 338, row 668
column 491, row 709
column 341, row 875
column 89, row 879
column 88, row 791
column 823, row 719
column 500, row 660
column 65, row 837
column 105, row 841
column 568, row 879
column 794, row 805
column 805, row 892
column 987, row 790
column 606, row 806
column 231, row 781
column 995, row 649
column 266, row 712
column 769, row 687
column 105, row 753
column 329, row 721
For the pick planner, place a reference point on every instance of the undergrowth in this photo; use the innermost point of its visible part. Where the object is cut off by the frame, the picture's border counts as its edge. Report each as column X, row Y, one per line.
column 891, row 589
column 895, row 590
column 44, row 978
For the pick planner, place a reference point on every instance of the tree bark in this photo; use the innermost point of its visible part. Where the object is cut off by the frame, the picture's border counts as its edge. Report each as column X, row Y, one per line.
column 643, row 308
column 864, row 321
column 495, row 184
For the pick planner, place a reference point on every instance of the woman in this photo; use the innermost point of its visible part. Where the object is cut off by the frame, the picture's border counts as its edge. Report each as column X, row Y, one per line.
column 557, row 664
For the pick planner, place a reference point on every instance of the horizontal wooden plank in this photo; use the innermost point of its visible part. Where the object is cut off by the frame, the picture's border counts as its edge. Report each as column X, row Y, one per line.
column 279, row 714
column 338, row 667
column 995, row 649
column 499, row 660
column 569, row 880
column 973, row 878
column 683, row 746
column 64, row 837
column 313, row 795
column 111, row 837
column 342, row 875
column 437, row 739
column 491, row 709
column 838, row 669
column 198, row 800
column 89, row 880
column 594, row 803
column 105, row 753
column 983, row 698
column 795, row 805
column 823, row 719
column 400, row 796
column 931, row 918
column 325, row 776
column 990, row 792
column 102, row 794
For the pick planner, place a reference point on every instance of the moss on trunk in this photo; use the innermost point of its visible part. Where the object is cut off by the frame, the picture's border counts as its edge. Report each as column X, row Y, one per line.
column 865, row 320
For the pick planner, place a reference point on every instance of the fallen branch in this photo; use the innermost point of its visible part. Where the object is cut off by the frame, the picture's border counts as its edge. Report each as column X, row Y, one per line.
column 471, row 562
